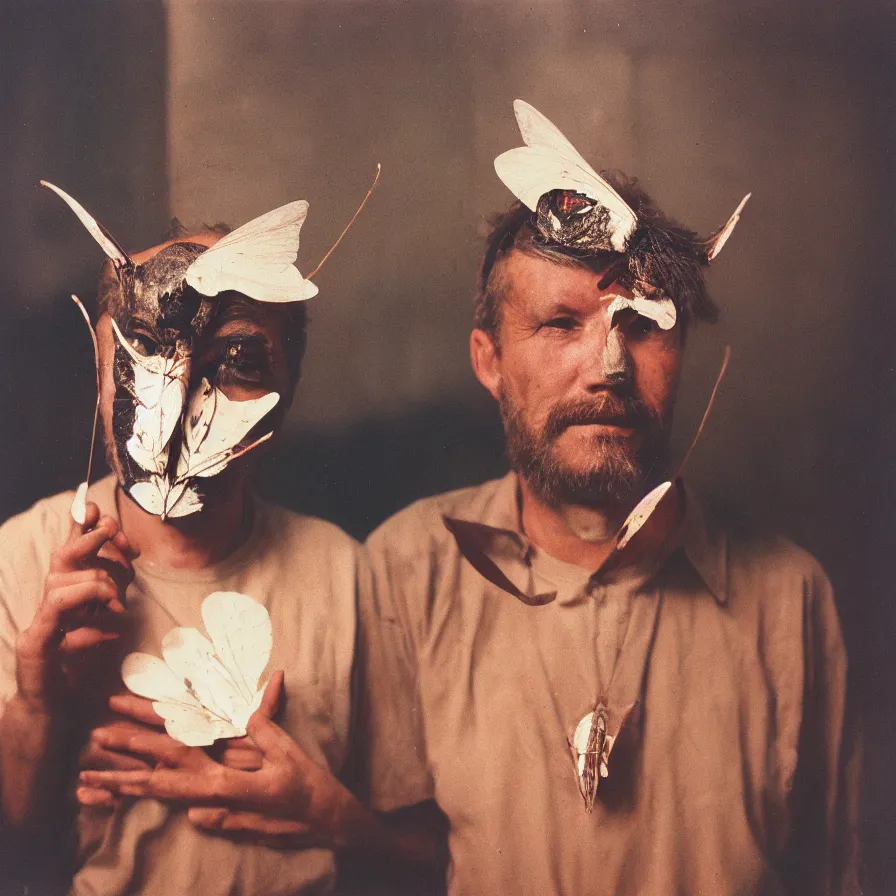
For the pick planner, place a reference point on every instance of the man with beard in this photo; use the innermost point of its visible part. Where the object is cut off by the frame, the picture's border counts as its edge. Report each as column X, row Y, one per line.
column 191, row 377
column 664, row 714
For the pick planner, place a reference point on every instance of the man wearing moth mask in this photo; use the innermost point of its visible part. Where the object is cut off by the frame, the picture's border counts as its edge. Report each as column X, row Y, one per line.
column 172, row 575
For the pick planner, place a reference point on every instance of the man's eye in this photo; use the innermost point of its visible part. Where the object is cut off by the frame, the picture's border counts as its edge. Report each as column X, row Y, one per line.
column 636, row 326
column 246, row 359
column 560, row 323
column 143, row 343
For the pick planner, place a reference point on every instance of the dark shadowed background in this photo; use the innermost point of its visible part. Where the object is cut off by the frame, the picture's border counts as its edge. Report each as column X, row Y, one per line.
column 223, row 110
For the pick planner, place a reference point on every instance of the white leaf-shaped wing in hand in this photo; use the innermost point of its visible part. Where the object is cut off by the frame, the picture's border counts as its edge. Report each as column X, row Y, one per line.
column 206, row 689
column 257, row 259
column 186, row 719
column 550, row 162
column 215, row 427
column 240, row 629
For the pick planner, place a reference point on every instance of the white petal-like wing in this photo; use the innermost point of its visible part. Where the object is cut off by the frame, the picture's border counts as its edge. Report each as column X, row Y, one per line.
column 192, row 658
column 660, row 310
column 79, row 505
column 216, row 426
column 195, row 726
column 718, row 240
column 240, row 629
column 642, row 512
column 147, row 676
column 257, row 259
column 550, row 162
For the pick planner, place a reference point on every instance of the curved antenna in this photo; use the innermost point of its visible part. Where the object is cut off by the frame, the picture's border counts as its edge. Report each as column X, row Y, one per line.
column 107, row 242
column 79, row 505
column 376, row 178
column 726, row 358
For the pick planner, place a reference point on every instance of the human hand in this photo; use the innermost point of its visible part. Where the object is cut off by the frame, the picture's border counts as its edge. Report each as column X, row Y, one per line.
column 289, row 797
column 82, row 603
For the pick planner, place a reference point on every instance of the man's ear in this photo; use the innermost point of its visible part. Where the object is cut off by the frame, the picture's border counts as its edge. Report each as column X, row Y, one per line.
column 486, row 361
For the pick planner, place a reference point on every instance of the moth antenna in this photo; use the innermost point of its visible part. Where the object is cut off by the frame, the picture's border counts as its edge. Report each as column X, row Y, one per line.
column 709, row 404
column 376, row 178
column 107, row 242
column 96, row 363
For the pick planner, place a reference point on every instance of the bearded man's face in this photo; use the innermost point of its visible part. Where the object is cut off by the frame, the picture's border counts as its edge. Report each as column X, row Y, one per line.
column 586, row 400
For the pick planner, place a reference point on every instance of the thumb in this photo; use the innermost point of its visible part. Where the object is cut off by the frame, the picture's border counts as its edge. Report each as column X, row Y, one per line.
column 273, row 694
column 267, row 736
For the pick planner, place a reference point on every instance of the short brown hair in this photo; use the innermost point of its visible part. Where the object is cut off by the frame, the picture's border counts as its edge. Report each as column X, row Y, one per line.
column 676, row 265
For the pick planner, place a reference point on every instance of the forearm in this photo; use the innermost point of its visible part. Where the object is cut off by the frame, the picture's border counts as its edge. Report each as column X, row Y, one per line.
column 33, row 765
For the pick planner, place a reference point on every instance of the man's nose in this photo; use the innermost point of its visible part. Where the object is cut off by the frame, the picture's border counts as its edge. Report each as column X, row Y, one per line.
column 609, row 362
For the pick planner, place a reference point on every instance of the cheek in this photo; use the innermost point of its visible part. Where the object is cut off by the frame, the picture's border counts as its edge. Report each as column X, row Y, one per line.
column 523, row 374
column 656, row 376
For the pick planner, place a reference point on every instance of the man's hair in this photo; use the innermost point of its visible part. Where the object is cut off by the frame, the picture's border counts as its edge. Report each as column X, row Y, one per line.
column 673, row 257
column 294, row 314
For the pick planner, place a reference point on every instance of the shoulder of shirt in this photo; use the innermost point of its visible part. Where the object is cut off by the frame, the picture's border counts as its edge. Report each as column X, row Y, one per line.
column 292, row 526
column 761, row 554
column 421, row 523
column 45, row 522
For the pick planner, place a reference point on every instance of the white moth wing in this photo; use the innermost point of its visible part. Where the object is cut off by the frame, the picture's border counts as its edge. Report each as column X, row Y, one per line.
column 257, row 259
column 718, row 240
column 200, row 413
column 193, row 659
column 79, row 505
column 240, row 629
column 224, row 425
column 538, row 131
column 149, row 496
column 94, row 229
column 159, row 394
column 195, row 726
column 181, row 501
column 529, row 172
column 580, row 741
column 541, row 134
column 660, row 310
column 641, row 513
column 147, row 676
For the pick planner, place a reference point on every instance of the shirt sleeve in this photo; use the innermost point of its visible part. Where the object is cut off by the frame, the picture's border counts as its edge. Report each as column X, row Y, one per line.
column 391, row 742
column 824, row 853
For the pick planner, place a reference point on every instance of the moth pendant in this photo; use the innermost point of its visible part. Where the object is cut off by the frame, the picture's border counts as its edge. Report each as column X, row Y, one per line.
column 592, row 744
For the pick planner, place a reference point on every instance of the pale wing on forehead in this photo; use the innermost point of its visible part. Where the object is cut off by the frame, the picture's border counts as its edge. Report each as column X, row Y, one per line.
column 662, row 311
column 257, row 259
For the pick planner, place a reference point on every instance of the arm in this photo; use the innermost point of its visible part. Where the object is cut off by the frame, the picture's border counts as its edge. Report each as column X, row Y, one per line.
column 82, row 597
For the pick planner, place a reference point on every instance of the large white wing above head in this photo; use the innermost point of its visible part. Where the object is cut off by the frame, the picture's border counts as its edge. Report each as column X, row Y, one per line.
column 257, row 259
column 548, row 162
column 529, row 172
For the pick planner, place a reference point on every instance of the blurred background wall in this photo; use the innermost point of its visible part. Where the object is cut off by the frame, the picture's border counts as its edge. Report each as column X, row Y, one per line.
column 218, row 110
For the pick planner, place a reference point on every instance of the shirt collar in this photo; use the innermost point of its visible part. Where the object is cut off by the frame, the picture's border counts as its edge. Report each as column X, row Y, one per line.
column 499, row 536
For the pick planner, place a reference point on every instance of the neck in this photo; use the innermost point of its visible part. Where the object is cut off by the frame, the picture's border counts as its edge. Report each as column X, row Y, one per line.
column 193, row 542
column 576, row 534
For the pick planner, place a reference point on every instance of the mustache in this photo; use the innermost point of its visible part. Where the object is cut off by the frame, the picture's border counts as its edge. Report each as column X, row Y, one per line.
column 608, row 408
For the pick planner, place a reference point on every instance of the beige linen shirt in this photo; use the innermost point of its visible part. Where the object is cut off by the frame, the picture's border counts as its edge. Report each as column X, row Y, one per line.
column 738, row 774
column 304, row 571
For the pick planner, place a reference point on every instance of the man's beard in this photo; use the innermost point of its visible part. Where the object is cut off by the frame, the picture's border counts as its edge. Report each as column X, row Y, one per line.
column 619, row 468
